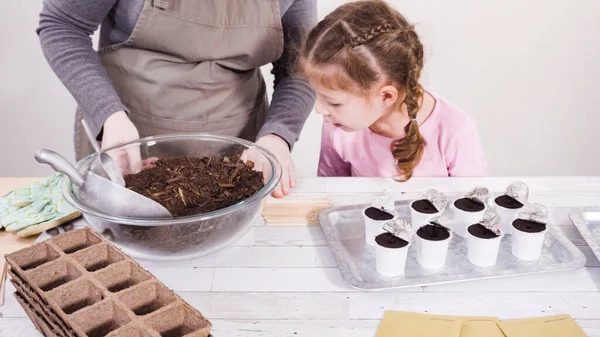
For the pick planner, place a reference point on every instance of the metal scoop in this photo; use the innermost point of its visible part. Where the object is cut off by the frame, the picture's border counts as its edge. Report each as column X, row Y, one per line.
column 103, row 164
column 102, row 194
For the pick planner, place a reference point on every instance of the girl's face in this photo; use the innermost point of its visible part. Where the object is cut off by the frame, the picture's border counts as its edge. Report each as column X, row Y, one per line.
column 349, row 111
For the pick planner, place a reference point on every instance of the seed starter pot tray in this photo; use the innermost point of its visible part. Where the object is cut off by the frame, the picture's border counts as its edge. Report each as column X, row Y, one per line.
column 344, row 230
column 77, row 284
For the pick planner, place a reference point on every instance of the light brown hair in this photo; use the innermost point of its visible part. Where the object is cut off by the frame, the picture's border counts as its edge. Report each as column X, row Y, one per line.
column 370, row 42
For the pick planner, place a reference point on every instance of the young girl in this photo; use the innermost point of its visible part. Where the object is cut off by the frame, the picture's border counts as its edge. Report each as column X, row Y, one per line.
column 364, row 61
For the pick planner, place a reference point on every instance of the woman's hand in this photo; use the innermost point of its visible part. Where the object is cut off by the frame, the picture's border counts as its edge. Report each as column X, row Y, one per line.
column 118, row 129
column 280, row 148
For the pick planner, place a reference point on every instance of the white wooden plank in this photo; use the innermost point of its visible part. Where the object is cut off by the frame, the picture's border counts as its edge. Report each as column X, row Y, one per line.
column 254, row 305
column 280, row 257
column 305, row 280
column 300, row 235
column 580, row 280
column 590, row 326
column 342, row 306
column 11, row 307
column 295, row 328
column 306, row 235
column 309, row 185
column 500, row 304
column 185, row 279
column 22, row 327
column 10, row 327
column 256, row 257
column 330, row 280
column 278, row 279
column 327, row 328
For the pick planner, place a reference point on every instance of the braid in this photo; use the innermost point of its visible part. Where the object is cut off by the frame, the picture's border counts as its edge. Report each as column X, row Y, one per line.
column 358, row 40
column 408, row 151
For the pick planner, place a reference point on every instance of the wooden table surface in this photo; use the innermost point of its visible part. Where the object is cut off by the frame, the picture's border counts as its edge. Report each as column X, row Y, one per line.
column 283, row 280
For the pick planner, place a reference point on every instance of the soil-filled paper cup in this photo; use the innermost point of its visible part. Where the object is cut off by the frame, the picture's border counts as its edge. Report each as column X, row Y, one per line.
column 528, row 239
column 432, row 246
column 421, row 212
column 374, row 219
column 466, row 212
column 390, row 255
column 507, row 209
column 483, row 245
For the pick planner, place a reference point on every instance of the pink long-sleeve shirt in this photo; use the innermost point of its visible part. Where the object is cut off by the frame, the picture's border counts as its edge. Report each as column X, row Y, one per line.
column 453, row 148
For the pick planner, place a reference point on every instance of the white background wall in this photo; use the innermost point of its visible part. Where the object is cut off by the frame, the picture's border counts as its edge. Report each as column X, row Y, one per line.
column 527, row 70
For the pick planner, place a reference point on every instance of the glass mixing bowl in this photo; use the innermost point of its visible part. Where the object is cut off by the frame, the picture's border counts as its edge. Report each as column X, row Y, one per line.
column 187, row 236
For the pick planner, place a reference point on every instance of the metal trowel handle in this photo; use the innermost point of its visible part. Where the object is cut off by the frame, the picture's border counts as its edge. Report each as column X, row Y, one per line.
column 59, row 164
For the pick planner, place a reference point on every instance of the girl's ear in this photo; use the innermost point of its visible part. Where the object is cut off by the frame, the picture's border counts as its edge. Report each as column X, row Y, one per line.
column 389, row 95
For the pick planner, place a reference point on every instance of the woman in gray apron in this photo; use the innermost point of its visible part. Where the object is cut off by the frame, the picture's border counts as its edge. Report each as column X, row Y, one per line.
column 166, row 66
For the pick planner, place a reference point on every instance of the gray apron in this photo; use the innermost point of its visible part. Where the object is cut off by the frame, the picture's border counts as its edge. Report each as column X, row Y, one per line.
column 194, row 66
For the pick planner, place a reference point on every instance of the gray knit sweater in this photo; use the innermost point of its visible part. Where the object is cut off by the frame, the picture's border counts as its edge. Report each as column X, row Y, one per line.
column 65, row 31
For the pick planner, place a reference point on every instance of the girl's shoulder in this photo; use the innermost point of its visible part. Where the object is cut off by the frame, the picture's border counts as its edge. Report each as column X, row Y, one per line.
column 447, row 111
column 447, row 117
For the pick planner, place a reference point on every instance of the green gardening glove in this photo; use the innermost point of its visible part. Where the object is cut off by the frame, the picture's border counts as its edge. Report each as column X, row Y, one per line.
column 38, row 204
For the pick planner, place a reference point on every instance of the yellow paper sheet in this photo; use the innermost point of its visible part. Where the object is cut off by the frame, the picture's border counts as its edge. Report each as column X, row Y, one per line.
column 552, row 326
column 407, row 324
column 480, row 327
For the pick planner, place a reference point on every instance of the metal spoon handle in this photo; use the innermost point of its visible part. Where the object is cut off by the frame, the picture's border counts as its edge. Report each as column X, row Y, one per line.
column 59, row 164
column 91, row 138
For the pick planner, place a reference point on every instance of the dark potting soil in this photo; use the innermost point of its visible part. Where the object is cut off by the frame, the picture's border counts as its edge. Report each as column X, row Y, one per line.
column 480, row 231
column 469, row 205
column 433, row 232
column 193, row 185
column 377, row 214
column 424, row 206
column 390, row 241
column 508, row 202
column 528, row 226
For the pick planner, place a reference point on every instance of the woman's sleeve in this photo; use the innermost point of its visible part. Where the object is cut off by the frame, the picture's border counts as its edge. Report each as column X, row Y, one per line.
column 293, row 97
column 65, row 30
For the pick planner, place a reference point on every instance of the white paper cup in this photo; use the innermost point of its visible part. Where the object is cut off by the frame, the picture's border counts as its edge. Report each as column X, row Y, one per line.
column 483, row 252
column 391, row 262
column 527, row 246
column 374, row 228
column 432, row 254
column 507, row 216
column 418, row 219
column 462, row 219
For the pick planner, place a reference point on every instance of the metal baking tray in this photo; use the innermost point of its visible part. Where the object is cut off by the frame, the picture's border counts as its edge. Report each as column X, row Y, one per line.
column 344, row 229
column 587, row 221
